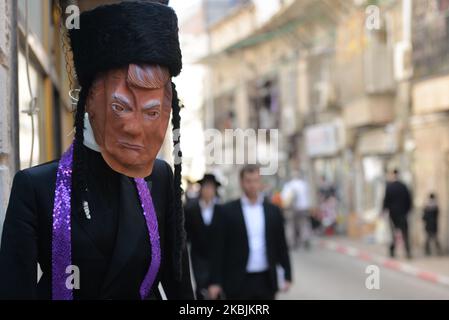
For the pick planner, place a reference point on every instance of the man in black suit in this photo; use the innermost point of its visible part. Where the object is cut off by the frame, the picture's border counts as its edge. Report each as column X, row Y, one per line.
column 200, row 215
column 398, row 202
column 111, row 249
column 106, row 221
column 249, row 244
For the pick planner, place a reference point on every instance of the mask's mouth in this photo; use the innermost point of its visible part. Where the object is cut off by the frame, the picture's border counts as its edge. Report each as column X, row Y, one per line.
column 127, row 145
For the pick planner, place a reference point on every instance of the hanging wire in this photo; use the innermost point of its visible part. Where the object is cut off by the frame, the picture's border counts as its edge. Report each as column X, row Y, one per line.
column 68, row 58
column 32, row 109
column 66, row 48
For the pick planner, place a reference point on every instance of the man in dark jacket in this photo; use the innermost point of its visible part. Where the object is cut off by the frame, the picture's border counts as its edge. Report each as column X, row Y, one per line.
column 398, row 202
column 105, row 221
column 249, row 245
column 200, row 215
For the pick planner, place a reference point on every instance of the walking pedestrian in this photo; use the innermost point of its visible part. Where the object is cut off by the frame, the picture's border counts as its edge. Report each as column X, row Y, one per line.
column 200, row 215
column 249, row 245
column 398, row 202
column 297, row 190
column 430, row 217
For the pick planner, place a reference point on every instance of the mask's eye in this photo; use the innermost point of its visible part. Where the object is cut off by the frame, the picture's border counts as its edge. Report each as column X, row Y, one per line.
column 118, row 108
column 152, row 114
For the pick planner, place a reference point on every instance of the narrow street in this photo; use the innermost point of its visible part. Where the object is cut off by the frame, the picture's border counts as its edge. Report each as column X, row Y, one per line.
column 324, row 274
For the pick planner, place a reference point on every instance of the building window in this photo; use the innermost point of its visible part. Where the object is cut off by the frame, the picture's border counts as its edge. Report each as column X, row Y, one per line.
column 27, row 119
column 264, row 104
column 374, row 169
column 224, row 112
column 430, row 37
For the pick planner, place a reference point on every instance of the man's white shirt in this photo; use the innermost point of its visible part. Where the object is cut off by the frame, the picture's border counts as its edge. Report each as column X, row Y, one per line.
column 255, row 227
column 207, row 211
column 298, row 192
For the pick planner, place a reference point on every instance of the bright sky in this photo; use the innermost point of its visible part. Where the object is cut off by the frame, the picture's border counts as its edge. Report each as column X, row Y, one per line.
column 183, row 7
column 190, row 88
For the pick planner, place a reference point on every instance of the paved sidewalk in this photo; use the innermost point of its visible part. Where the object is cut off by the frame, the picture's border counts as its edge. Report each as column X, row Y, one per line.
column 433, row 269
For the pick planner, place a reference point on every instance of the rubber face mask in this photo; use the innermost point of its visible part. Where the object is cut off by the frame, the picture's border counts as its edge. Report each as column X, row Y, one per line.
column 129, row 110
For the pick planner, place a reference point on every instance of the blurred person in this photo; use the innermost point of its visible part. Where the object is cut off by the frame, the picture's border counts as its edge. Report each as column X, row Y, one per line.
column 326, row 189
column 297, row 191
column 327, row 203
column 276, row 199
column 106, row 221
column 249, row 245
column 191, row 193
column 315, row 221
column 398, row 203
column 200, row 215
column 430, row 217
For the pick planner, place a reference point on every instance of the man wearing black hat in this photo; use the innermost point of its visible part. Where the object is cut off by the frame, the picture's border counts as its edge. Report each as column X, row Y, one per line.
column 106, row 221
column 200, row 217
column 398, row 203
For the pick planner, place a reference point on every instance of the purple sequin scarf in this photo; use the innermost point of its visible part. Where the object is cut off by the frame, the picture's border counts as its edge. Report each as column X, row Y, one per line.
column 61, row 236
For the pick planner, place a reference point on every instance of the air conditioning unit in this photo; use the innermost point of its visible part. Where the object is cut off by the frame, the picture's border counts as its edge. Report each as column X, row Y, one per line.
column 403, row 66
column 289, row 119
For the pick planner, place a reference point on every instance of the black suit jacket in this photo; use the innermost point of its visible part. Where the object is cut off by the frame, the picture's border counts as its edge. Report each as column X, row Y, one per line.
column 430, row 218
column 398, row 200
column 231, row 248
column 27, row 234
column 198, row 233
column 199, row 236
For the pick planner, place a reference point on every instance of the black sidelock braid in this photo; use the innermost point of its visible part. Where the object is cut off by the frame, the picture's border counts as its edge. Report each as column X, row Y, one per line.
column 79, row 182
column 180, row 233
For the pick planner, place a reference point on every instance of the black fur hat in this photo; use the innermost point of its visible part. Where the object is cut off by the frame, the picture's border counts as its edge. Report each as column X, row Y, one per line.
column 116, row 35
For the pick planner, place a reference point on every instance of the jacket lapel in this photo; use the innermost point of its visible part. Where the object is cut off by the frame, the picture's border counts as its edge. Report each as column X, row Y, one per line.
column 267, row 228
column 242, row 224
column 87, row 226
column 198, row 216
column 215, row 213
column 131, row 229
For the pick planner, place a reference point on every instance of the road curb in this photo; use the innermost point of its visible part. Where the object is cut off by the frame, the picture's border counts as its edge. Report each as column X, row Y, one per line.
column 385, row 262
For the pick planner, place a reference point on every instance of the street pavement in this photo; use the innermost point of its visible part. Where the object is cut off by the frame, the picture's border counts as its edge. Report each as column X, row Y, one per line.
column 324, row 274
